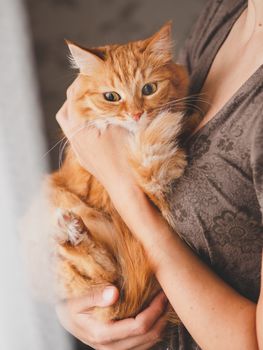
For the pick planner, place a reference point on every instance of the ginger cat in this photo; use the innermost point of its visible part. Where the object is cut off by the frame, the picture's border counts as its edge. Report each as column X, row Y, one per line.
column 137, row 86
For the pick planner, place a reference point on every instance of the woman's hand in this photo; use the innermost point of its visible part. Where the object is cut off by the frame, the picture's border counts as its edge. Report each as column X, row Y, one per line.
column 139, row 333
column 102, row 154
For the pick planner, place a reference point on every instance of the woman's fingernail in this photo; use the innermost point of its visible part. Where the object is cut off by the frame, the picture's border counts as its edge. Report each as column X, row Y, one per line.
column 108, row 294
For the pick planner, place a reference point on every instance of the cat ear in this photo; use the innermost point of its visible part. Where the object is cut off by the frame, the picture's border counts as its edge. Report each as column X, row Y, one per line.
column 161, row 43
column 86, row 60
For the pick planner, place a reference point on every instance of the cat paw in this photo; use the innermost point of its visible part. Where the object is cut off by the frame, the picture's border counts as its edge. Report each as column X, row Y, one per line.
column 72, row 226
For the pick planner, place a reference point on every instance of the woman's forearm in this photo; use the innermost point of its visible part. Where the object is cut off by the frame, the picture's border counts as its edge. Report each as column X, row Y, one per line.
column 214, row 314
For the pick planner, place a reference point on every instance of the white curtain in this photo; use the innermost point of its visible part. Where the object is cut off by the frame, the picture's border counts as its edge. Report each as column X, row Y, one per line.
column 24, row 324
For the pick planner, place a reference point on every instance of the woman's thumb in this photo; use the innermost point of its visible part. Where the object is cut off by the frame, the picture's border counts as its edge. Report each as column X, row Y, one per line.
column 109, row 296
column 96, row 296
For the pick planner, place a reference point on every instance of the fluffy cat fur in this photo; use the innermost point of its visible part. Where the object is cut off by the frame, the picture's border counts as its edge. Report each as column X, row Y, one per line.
column 92, row 244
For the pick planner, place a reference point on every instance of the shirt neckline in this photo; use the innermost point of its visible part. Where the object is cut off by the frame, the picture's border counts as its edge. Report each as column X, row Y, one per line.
column 208, row 57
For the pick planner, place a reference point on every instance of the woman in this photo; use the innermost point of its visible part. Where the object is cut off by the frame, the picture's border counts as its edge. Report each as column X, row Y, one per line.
column 214, row 287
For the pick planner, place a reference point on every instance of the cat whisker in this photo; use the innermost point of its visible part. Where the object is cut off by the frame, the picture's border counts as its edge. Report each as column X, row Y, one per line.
column 195, row 100
column 200, row 94
column 61, row 151
column 178, row 105
column 190, row 100
column 186, row 99
column 54, row 146
column 194, row 107
column 68, row 140
column 170, row 106
column 194, row 97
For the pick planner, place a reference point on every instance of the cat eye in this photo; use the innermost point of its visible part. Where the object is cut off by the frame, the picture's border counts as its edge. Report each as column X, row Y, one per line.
column 112, row 96
column 149, row 89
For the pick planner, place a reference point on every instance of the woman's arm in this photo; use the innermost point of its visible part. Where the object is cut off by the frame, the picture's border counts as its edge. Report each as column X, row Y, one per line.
column 215, row 315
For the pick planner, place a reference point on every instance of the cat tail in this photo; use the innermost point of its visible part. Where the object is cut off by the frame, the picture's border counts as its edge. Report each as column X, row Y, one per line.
column 137, row 285
column 157, row 158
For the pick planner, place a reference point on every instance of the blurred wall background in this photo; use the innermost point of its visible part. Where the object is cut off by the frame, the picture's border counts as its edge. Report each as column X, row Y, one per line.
column 92, row 23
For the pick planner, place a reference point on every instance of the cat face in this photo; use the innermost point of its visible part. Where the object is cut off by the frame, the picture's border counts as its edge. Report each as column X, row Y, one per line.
column 127, row 83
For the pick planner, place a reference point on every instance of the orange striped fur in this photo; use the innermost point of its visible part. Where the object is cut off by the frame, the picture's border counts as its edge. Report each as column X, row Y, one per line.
column 92, row 243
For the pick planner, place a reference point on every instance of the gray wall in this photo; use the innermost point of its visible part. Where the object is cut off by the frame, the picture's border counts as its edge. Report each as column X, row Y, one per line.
column 91, row 23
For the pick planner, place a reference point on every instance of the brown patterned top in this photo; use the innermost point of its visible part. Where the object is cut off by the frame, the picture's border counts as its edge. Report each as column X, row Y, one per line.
column 218, row 203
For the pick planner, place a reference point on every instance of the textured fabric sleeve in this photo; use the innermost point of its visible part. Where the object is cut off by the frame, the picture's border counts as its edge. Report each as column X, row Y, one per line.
column 257, row 158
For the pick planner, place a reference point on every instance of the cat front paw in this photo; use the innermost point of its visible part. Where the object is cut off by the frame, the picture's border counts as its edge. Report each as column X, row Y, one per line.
column 72, row 226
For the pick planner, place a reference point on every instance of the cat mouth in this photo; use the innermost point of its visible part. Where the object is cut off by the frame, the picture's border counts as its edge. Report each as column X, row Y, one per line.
column 127, row 122
column 103, row 123
column 138, row 116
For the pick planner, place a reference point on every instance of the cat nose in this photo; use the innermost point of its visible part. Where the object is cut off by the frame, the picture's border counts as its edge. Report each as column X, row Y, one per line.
column 137, row 116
